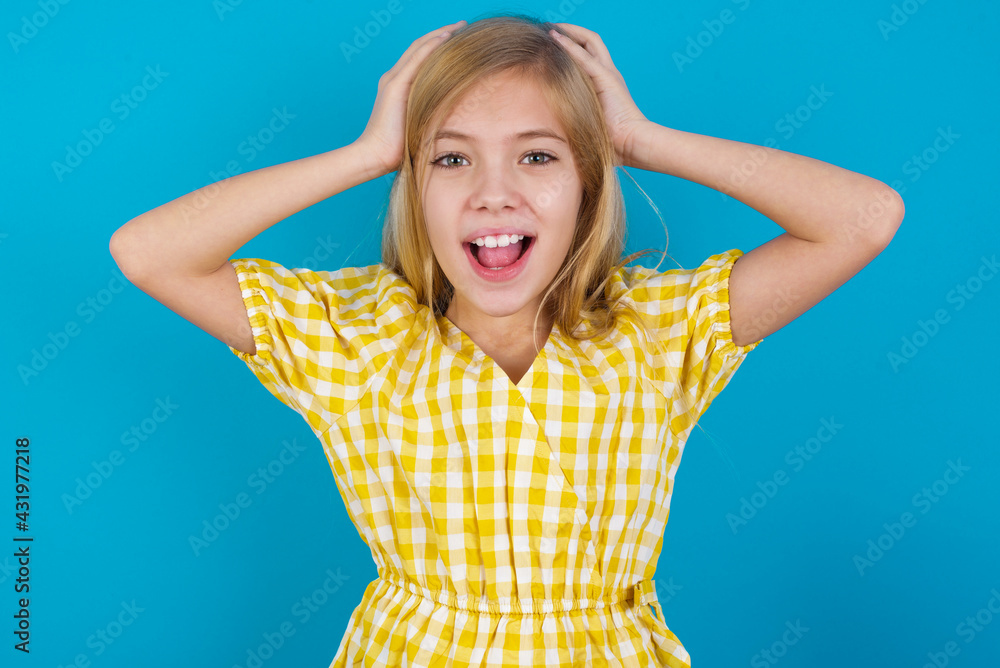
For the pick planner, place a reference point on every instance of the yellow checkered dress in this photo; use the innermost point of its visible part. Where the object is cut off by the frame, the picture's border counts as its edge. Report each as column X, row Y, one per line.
column 512, row 525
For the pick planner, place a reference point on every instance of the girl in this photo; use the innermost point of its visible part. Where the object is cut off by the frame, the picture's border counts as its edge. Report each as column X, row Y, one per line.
column 502, row 401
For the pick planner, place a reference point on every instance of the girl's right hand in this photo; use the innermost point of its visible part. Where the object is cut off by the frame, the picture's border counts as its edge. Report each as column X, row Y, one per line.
column 384, row 135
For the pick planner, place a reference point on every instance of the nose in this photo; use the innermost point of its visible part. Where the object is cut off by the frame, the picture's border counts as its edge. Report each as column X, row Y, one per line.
column 495, row 186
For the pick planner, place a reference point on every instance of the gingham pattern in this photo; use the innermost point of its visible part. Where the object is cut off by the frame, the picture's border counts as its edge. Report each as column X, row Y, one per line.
column 506, row 520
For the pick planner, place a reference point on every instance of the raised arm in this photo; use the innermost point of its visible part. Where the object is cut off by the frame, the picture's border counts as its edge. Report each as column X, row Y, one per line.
column 179, row 252
column 835, row 221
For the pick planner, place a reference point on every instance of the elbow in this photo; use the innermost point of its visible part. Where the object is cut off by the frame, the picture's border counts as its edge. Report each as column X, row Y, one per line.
column 885, row 215
column 122, row 246
column 894, row 218
column 117, row 247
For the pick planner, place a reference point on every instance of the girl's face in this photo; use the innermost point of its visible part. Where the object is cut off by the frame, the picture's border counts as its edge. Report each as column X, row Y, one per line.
column 486, row 180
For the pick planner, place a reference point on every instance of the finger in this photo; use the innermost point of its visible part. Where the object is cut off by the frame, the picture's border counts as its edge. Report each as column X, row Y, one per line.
column 432, row 38
column 589, row 40
column 451, row 27
column 406, row 71
column 595, row 66
column 419, row 50
column 587, row 60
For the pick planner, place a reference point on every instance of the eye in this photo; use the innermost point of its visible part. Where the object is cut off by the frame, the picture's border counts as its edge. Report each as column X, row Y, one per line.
column 445, row 157
column 542, row 154
column 541, row 163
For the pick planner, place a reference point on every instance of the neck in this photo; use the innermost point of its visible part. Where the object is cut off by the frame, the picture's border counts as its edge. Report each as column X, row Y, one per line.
column 516, row 331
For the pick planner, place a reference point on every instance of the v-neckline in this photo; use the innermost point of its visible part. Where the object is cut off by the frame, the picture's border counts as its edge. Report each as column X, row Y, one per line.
column 478, row 354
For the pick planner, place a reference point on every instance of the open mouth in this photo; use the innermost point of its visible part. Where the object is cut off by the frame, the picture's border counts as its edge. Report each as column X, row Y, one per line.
column 524, row 243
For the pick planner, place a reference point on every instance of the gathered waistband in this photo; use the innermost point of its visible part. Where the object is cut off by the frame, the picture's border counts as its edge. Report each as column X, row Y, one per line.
column 641, row 593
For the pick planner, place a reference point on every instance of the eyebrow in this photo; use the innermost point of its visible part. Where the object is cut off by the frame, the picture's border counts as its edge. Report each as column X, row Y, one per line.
column 527, row 134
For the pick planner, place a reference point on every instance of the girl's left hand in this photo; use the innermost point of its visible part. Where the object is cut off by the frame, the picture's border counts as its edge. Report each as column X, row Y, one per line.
column 620, row 112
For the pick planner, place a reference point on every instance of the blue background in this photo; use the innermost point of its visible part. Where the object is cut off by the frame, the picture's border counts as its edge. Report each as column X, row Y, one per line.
column 728, row 589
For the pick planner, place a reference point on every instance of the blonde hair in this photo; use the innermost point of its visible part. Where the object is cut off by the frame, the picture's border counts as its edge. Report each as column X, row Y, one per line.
column 473, row 54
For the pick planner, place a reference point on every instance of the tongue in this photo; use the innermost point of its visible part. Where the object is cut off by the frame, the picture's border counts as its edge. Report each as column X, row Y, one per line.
column 499, row 257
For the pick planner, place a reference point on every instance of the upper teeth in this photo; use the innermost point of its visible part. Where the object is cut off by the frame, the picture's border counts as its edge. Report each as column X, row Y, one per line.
column 498, row 241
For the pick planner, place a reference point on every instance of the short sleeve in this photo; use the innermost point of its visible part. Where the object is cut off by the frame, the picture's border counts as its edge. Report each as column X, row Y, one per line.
column 306, row 354
column 689, row 314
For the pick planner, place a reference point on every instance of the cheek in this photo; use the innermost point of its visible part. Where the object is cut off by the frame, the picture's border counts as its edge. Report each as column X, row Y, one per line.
column 438, row 219
column 558, row 195
column 440, row 200
column 561, row 206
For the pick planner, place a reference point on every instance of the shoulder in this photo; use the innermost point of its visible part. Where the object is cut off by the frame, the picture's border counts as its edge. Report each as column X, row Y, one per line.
column 368, row 286
column 373, row 280
column 346, row 293
column 643, row 284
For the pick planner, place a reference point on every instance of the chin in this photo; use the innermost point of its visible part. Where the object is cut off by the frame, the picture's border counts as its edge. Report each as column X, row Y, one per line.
column 497, row 301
